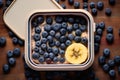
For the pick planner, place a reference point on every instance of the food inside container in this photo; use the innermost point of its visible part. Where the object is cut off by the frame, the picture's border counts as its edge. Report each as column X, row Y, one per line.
column 59, row 40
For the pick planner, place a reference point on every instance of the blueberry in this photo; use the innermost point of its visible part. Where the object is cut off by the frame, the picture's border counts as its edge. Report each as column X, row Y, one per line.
column 94, row 11
column 71, row 20
column 62, row 52
column 106, row 67
column 59, row 19
column 71, row 2
column 64, row 25
column 52, row 33
column 71, row 37
column 85, row 0
column 6, row 68
column 85, row 5
column 28, row 73
column 16, row 52
column 37, row 30
column 117, row 60
column 2, row 41
column 97, row 39
column 48, row 60
column 36, row 37
column 83, row 28
column 49, row 20
column 10, row 54
column 55, row 59
column 38, row 43
column 100, row 5
column 1, row 3
column 51, row 44
column 63, row 38
column 63, row 6
column 108, row 11
column 15, row 40
column 75, row 26
column 102, row 25
column 56, row 27
column 57, row 36
column 63, row 46
column 97, row 26
column 47, row 28
column 50, row 39
column 49, row 49
column 69, row 29
column 111, row 63
column 92, row 5
column 119, row 69
column 106, row 52
column 84, row 40
column 99, row 32
column 12, row 61
column 46, row 55
column 8, row 2
column 44, row 34
column 112, row 73
column 55, row 51
column 57, row 1
column 63, row 31
column 57, row 43
column 34, row 24
column 110, row 38
column 77, row 39
column 36, row 49
column 11, row 34
column 76, row 5
column 96, row 47
column 41, row 51
column 40, row 19
column 109, row 29
column 43, row 46
column 51, row 55
column 83, row 21
column 35, row 55
column 112, row 2
column 44, row 40
column 78, row 32
column 20, row 42
column 41, row 59
column 101, row 60
column 68, row 42
column 62, row 60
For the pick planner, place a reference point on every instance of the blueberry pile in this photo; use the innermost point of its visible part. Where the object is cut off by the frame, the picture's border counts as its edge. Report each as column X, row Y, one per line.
column 51, row 35
column 11, row 59
column 109, row 65
column 94, row 6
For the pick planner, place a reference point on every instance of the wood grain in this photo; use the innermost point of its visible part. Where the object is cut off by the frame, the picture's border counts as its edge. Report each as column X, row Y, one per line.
column 17, row 73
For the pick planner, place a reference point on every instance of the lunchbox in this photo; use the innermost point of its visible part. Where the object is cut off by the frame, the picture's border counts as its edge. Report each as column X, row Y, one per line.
column 61, row 66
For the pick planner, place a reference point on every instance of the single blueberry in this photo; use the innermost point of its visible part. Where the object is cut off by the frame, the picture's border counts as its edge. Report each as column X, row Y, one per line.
column 44, row 40
column 43, row 46
column 63, row 46
column 109, row 29
column 76, row 5
column 55, row 51
column 63, row 6
column 41, row 59
column 40, row 19
column 59, row 19
column 106, row 67
column 83, row 28
column 71, row 2
column 2, row 41
column 55, row 59
column 50, row 39
column 35, row 55
column 69, row 29
column 12, row 61
column 6, row 68
column 97, row 39
column 63, row 38
column 68, row 42
column 47, row 28
column 84, row 40
column 102, row 25
column 106, row 52
column 110, row 38
column 57, row 43
column 64, row 25
column 36, row 49
column 38, row 43
column 49, row 20
column 100, row 5
column 63, row 31
column 92, row 5
column 78, row 32
column 108, row 11
column 52, row 33
column 46, row 55
column 75, row 26
column 62, row 60
column 37, row 30
column 77, row 39
column 16, row 52
column 70, row 37
column 10, row 54
column 101, row 60
column 111, row 63
column 36, row 37
column 117, row 60
column 99, row 32
column 51, row 55
column 94, row 11
column 112, row 73
column 96, row 47
column 62, row 52
column 44, row 34
column 56, row 27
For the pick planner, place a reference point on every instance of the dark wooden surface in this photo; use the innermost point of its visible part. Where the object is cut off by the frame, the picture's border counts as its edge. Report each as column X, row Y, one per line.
column 17, row 72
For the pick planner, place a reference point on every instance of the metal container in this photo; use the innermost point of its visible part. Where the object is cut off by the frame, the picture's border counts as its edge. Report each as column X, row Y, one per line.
column 49, row 67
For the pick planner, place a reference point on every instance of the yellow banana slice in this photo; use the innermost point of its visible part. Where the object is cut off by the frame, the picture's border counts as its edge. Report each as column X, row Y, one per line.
column 76, row 53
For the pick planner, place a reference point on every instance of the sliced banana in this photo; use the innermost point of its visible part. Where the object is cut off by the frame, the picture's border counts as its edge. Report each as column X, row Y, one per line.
column 76, row 53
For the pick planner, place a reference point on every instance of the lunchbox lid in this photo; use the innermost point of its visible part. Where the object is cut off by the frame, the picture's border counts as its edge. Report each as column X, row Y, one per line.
column 15, row 15
column 54, row 66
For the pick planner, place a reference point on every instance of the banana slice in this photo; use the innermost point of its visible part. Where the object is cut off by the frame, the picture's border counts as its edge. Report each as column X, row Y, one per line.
column 76, row 53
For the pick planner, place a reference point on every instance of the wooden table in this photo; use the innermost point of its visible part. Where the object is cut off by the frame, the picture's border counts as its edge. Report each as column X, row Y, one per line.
column 17, row 72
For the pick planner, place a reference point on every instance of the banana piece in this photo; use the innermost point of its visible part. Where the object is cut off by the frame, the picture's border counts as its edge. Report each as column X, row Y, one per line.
column 76, row 53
